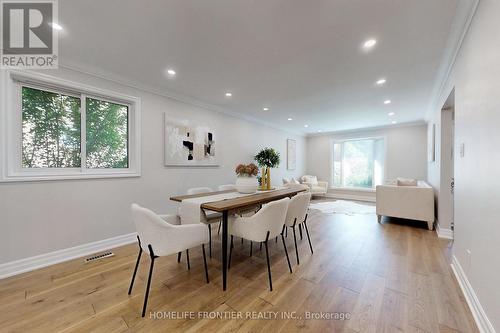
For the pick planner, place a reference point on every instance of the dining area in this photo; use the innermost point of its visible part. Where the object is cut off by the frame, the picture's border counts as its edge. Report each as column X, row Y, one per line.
column 206, row 218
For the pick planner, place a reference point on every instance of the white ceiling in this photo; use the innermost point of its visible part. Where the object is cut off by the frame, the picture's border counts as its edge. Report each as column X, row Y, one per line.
column 303, row 59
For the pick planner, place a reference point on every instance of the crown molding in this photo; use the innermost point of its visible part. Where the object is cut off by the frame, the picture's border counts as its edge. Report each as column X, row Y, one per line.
column 117, row 79
column 370, row 129
column 460, row 26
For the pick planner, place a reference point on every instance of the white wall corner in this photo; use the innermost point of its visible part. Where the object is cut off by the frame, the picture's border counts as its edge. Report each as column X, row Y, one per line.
column 483, row 323
column 29, row 264
column 443, row 232
column 464, row 13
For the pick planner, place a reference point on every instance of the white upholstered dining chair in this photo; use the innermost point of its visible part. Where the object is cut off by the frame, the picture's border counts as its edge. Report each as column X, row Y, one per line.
column 163, row 236
column 296, row 216
column 208, row 217
column 199, row 190
column 227, row 187
column 266, row 224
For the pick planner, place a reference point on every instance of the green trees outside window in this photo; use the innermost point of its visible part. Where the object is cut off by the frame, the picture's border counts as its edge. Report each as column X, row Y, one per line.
column 51, row 131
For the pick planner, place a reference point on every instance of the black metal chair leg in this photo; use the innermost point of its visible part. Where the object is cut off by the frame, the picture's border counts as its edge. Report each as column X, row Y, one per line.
column 210, row 239
column 153, row 257
column 187, row 257
column 136, row 267
column 260, row 247
column 205, row 262
column 296, row 248
column 286, row 252
column 286, row 232
column 300, row 231
column 268, row 264
column 251, row 247
column 276, row 239
column 308, row 238
column 179, row 256
column 230, row 252
column 242, row 241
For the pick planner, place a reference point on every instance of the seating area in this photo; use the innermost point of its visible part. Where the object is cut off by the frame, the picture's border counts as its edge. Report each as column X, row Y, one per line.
column 249, row 166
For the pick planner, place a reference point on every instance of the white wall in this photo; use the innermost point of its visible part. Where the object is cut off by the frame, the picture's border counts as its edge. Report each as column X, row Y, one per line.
column 475, row 77
column 39, row 217
column 406, row 153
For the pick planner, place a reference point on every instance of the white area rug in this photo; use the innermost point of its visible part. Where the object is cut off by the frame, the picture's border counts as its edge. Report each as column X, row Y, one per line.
column 342, row 207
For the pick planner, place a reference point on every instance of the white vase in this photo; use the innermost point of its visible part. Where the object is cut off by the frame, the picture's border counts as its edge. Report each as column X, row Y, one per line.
column 247, row 184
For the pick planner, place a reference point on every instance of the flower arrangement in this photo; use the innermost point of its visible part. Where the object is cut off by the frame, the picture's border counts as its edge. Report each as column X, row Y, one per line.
column 248, row 170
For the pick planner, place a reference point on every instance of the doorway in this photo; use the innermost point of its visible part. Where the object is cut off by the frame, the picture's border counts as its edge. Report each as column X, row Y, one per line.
column 446, row 193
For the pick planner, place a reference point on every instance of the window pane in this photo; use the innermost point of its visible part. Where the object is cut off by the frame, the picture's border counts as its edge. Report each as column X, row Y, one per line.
column 358, row 163
column 51, row 129
column 107, row 134
column 337, row 164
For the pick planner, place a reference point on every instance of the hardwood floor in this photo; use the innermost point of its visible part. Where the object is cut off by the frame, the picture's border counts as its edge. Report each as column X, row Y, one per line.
column 386, row 277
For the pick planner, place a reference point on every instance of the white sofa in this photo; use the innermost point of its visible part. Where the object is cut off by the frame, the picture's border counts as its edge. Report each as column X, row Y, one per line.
column 407, row 202
column 315, row 187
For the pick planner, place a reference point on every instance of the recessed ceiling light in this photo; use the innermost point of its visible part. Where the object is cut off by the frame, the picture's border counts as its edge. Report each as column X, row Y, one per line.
column 394, row 122
column 265, row 108
column 289, row 119
column 171, row 72
column 319, row 131
column 387, row 101
column 55, row 26
column 369, row 44
column 390, row 114
column 306, row 126
column 381, row 82
column 228, row 94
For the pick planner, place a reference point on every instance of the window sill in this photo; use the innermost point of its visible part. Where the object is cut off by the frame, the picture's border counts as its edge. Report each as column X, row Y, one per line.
column 353, row 189
column 46, row 177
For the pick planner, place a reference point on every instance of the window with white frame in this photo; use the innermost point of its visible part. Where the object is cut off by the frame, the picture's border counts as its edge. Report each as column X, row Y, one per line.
column 57, row 129
column 358, row 163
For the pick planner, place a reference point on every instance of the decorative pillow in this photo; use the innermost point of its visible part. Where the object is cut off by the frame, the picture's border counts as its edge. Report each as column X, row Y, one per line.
column 294, row 181
column 285, row 181
column 313, row 180
column 407, row 182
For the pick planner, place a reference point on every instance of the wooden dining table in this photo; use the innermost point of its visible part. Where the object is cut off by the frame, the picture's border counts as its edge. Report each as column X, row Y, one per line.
column 228, row 206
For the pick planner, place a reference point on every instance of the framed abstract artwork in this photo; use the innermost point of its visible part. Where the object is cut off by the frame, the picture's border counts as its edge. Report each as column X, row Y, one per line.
column 189, row 144
column 291, row 154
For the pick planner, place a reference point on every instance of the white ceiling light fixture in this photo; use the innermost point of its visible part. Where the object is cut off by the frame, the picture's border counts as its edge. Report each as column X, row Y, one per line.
column 369, row 44
column 387, row 101
column 55, row 26
column 290, row 119
column 381, row 82
column 390, row 114
column 171, row 72
column 394, row 122
column 228, row 94
column 319, row 131
column 265, row 108
column 306, row 126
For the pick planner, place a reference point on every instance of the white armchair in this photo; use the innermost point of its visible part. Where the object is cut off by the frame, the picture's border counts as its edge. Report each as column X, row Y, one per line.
column 159, row 237
column 407, row 202
column 266, row 224
column 315, row 187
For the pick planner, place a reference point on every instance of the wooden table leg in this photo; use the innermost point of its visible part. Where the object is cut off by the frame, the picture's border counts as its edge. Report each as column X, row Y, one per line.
column 224, row 250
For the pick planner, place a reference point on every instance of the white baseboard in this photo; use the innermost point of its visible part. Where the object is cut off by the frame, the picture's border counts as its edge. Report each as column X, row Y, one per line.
column 482, row 321
column 443, row 233
column 51, row 258
column 350, row 197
